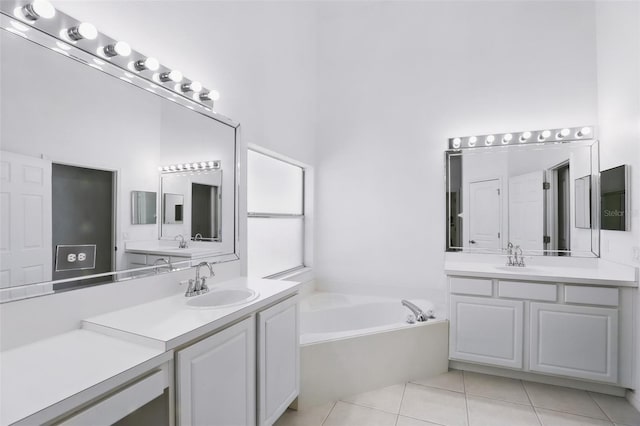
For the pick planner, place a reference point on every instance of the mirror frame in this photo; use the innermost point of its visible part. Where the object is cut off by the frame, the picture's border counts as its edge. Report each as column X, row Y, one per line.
column 593, row 145
column 43, row 38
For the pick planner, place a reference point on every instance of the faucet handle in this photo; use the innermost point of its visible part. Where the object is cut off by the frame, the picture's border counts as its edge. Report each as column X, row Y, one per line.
column 203, row 285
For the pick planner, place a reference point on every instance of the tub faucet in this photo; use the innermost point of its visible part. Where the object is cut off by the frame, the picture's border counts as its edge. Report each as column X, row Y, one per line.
column 420, row 316
column 182, row 243
column 197, row 237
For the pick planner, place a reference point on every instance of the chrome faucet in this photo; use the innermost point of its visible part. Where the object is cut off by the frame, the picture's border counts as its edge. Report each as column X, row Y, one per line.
column 162, row 263
column 420, row 316
column 182, row 243
column 199, row 284
column 197, row 237
column 515, row 257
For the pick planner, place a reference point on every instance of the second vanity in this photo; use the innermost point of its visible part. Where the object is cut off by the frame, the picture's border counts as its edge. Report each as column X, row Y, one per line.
column 566, row 321
column 233, row 363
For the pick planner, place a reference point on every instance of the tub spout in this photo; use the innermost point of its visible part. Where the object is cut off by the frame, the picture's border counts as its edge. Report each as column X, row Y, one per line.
column 420, row 316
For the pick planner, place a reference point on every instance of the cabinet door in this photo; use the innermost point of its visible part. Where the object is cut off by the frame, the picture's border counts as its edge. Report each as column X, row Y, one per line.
column 278, row 360
column 575, row 341
column 487, row 331
column 216, row 379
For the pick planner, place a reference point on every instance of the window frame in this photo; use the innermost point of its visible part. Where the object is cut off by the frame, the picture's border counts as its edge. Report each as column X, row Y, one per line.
column 266, row 215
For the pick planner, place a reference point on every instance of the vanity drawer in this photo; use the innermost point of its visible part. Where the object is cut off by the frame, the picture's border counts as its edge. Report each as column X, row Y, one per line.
column 137, row 258
column 122, row 403
column 474, row 286
column 524, row 290
column 605, row 296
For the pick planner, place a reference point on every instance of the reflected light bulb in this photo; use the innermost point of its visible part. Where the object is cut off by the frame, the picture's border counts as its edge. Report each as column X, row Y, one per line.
column 525, row 136
column 456, row 143
column 507, row 138
column 489, row 140
column 473, row 140
column 544, row 135
column 585, row 131
column 563, row 133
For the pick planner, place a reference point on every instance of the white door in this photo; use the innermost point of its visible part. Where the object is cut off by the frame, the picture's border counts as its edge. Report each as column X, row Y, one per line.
column 575, row 341
column 278, row 360
column 484, row 214
column 487, row 331
column 215, row 379
column 25, row 220
column 526, row 210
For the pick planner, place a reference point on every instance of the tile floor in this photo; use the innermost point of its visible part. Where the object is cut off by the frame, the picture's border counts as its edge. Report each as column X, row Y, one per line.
column 461, row 398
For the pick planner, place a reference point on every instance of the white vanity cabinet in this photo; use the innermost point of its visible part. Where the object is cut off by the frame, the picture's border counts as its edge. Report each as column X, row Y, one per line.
column 278, row 360
column 486, row 330
column 570, row 330
column 215, row 378
column 576, row 341
column 246, row 374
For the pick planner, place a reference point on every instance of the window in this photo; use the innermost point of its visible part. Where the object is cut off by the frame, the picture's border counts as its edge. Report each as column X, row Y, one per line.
column 275, row 205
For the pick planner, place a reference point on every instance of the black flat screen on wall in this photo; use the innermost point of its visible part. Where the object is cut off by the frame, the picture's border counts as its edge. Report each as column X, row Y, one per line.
column 613, row 199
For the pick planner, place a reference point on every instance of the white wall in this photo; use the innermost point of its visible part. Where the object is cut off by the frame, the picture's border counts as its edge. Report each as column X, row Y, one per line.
column 618, row 44
column 395, row 80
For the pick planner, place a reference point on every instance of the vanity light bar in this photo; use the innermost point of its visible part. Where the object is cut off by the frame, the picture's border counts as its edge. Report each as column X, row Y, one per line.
column 41, row 15
column 565, row 134
column 197, row 166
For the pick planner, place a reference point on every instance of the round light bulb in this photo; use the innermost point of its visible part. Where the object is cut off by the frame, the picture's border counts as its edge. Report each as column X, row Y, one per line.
column 196, row 86
column 585, row 131
column 166, row 168
column 179, row 166
column 525, row 136
column 39, row 9
column 456, row 143
column 203, row 164
column 565, row 132
column 489, row 140
column 194, row 165
column 120, row 48
column 84, row 30
column 214, row 95
column 473, row 140
column 507, row 138
column 175, row 76
column 211, row 164
column 152, row 64
column 173, row 168
column 544, row 135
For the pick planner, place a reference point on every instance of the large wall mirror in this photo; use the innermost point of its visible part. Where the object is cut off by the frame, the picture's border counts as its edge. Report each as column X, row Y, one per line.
column 539, row 197
column 85, row 150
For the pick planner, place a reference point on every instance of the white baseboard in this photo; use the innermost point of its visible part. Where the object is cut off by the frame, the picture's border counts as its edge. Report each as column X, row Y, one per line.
column 634, row 399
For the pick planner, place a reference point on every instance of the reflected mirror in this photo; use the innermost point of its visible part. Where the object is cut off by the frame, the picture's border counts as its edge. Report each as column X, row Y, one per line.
column 143, row 207
column 64, row 157
column 523, row 194
column 201, row 205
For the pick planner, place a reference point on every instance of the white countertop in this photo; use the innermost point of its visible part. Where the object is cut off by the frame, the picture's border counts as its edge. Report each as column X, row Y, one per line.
column 598, row 272
column 52, row 376
column 43, row 380
column 170, row 322
column 165, row 250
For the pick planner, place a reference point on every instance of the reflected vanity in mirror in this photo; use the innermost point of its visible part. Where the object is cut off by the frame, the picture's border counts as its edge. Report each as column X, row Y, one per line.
column 143, row 208
column 53, row 146
column 538, row 196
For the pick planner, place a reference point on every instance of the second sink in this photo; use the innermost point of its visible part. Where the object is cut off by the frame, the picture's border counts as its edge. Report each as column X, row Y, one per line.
column 223, row 298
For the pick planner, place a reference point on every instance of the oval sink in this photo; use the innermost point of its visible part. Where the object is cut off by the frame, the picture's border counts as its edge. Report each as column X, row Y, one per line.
column 223, row 298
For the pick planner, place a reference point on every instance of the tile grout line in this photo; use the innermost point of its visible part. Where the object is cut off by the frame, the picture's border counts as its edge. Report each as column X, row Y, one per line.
column 329, row 413
column 531, row 402
column 601, row 409
column 404, row 389
column 466, row 399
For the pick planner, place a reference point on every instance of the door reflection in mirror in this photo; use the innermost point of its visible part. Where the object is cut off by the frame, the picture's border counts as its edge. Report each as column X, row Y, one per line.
column 523, row 195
